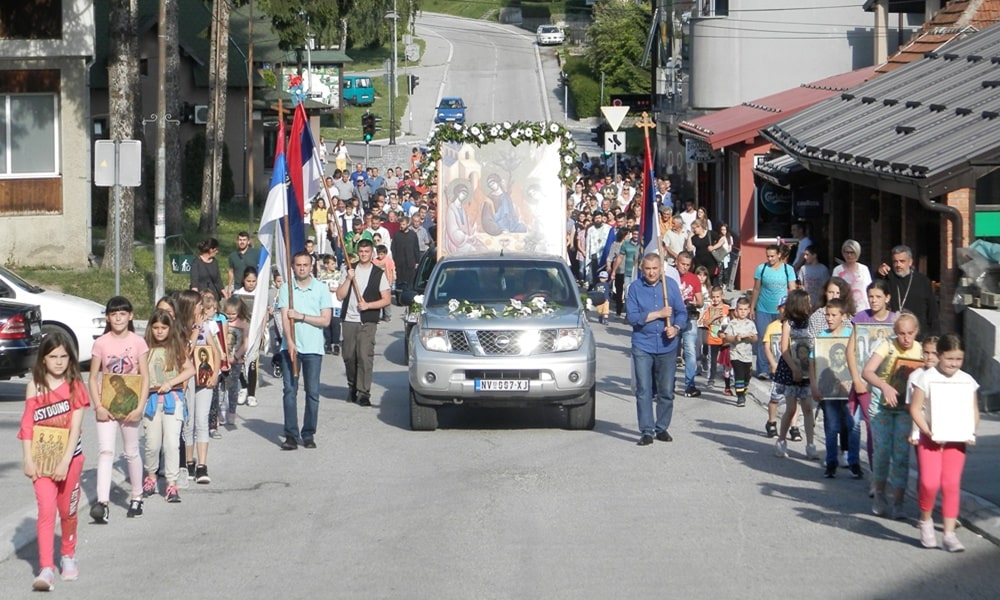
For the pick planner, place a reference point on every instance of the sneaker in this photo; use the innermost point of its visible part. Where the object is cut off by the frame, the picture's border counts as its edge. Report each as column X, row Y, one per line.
column 46, row 580
column 856, row 472
column 336, row 349
column 276, row 370
column 134, row 508
column 149, row 486
column 951, row 543
column 68, row 569
column 172, row 494
column 831, row 471
column 842, row 460
column 241, row 397
column 794, row 434
column 928, row 539
column 811, row 452
column 764, row 377
column 880, row 508
column 741, row 400
column 251, row 401
column 99, row 512
column 190, row 470
column 771, row 429
column 222, row 419
column 183, row 481
column 692, row 392
column 781, row 449
column 201, row 475
column 364, row 400
column 215, row 434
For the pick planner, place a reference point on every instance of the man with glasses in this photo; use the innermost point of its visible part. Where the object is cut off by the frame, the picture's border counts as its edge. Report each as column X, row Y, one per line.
column 306, row 316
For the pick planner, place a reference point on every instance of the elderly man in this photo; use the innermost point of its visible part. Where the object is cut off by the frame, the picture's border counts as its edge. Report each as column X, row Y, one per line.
column 657, row 320
column 911, row 290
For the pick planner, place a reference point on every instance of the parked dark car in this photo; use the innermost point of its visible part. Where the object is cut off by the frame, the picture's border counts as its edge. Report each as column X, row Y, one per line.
column 20, row 335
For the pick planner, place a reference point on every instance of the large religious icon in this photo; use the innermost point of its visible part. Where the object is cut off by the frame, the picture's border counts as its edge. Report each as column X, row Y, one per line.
column 952, row 411
column 500, row 196
column 900, row 374
column 833, row 378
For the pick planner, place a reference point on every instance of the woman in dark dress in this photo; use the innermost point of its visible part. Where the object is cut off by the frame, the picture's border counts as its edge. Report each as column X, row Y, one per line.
column 205, row 269
column 699, row 242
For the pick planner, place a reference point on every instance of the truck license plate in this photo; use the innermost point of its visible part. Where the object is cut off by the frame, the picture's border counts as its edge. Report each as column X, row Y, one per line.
column 501, row 385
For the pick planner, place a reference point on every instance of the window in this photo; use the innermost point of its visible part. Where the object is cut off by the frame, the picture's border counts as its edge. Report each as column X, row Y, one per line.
column 28, row 135
column 714, row 8
column 36, row 20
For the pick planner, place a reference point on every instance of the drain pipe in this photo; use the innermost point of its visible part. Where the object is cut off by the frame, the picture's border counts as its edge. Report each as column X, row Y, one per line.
column 953, row 215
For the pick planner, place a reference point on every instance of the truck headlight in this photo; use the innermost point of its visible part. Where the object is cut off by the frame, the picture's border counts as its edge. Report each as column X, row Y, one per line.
column 435, row 340
column 568, row 339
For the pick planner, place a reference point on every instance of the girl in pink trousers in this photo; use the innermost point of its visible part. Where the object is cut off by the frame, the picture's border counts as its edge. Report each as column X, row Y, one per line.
column 55, row 398
column 941, row 464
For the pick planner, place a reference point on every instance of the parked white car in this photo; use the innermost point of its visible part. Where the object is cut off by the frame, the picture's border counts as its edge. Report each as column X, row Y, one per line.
column 82, row 319
column 547, row 35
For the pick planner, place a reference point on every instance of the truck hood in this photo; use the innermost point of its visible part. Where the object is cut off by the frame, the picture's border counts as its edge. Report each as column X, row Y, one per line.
column 439, row 318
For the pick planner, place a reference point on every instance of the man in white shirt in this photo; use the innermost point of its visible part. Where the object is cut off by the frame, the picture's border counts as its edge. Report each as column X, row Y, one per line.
column 597, row 237
column 800, row 231
column 675, row 240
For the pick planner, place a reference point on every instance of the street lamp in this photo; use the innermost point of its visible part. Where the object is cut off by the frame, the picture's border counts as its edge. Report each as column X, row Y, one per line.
column 393, row 86
column 310, row 41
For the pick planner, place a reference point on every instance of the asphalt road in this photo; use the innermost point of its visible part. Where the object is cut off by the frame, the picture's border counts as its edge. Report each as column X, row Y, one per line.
column 497, row 503
column 504, row 504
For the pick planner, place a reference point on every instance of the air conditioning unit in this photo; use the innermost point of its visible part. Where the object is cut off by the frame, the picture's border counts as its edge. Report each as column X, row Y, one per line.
column 200, row 114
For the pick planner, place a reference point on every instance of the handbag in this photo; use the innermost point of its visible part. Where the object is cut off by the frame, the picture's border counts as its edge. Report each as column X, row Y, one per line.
column 720, row 254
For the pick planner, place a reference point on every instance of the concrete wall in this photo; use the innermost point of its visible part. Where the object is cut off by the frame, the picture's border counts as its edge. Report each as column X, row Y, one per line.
column 62, row 239
column 766, row 46
column 982, row 338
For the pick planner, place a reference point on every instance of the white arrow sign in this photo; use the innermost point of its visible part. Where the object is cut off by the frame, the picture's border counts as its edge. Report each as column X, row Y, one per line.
column 614, row 142
column 615, row 115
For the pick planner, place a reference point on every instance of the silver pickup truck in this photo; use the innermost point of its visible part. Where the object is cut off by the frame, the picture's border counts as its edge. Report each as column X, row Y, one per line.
column 503, row 331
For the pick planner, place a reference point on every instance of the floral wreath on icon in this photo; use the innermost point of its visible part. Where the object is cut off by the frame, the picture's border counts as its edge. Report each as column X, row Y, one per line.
column 521, row 131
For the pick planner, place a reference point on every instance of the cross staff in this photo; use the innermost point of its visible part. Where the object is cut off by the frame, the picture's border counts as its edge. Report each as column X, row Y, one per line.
column 646, row 124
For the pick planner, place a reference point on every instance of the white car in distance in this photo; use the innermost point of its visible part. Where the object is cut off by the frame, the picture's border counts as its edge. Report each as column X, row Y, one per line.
column 83, row 320
column 549, row 35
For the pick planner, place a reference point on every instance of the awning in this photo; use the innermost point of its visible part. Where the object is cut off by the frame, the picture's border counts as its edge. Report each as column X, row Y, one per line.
column 781, row 171
column 920, row 131
column 742, row 123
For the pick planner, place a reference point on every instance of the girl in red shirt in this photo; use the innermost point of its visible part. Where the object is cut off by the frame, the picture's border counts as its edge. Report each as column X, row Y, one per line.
column 55, row 400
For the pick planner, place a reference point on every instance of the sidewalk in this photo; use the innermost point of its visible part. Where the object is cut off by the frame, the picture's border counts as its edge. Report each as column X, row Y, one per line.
column 980, row 485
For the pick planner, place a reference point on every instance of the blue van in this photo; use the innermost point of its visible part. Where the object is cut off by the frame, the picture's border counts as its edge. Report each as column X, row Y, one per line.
column 358, row 90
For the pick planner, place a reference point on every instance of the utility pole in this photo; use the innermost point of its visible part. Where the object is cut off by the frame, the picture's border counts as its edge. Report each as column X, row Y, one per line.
column 393, row 85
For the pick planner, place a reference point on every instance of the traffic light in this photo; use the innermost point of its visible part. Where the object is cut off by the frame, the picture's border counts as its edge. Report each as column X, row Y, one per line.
column 411, row 83
column 368, row 126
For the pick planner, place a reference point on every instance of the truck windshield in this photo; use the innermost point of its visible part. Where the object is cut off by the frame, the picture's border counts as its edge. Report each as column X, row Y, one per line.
column 499, row 283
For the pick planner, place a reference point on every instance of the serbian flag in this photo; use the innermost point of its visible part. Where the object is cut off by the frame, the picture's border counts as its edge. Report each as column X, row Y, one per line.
column 272, row 244
column 304, row 175
column 649, row 225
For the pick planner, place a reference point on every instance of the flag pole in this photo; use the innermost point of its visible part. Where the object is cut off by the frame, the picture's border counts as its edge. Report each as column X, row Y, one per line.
column 647, row 179
column 290, row 330
column 329, row 207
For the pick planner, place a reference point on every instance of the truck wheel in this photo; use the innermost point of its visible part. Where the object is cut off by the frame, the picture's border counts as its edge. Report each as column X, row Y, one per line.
column 582, row 416
column 422, row 418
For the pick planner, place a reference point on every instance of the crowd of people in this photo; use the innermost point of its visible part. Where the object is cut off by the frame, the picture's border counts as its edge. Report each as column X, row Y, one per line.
column 874, row 358
column 862, row 349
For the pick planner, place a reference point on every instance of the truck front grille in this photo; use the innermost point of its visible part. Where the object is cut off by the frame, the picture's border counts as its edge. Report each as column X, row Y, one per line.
column 508, row 343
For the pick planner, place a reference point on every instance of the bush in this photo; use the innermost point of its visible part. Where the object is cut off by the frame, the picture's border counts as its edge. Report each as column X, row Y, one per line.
column 193, row 171
column 586, row 95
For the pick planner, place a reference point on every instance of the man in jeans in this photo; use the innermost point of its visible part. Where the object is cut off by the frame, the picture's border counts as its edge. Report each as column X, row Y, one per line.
column 309, row 313
column 360, row 320
column 691, row 294
column 657, row 319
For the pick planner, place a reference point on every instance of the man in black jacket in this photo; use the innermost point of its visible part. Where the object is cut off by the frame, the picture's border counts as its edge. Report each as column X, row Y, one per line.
column 911, row 290
column 360, row 320
column 405, row 253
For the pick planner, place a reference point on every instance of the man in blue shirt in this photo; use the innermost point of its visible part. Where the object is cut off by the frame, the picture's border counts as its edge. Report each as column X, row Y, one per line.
column 309, row 312
column 657, row 322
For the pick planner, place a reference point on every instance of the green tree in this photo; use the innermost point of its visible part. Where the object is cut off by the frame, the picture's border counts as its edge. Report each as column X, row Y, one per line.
column 616, row 41
column 364, row 21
